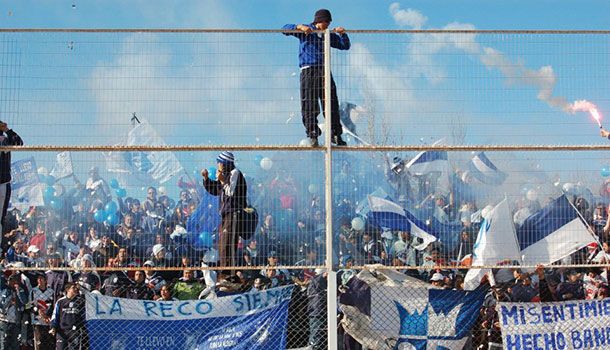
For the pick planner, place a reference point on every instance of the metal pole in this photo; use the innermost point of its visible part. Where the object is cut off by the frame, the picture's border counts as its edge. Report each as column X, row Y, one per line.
column 332, row 277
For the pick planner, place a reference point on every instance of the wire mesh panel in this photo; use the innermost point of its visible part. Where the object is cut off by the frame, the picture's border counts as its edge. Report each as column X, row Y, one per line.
column 154, row 193
column 473, row 87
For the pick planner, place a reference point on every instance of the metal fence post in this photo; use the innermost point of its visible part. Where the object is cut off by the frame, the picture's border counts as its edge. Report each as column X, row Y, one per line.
column 332, row 276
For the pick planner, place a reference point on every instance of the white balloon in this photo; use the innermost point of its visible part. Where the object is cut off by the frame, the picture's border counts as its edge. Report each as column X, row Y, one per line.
column 266, row 163
column 59, row 189
column 162, row 190
column 486, row 211
column 312, row 188
column 305, row 143
column 43, row 171
column 357, row 223
column 531, row 195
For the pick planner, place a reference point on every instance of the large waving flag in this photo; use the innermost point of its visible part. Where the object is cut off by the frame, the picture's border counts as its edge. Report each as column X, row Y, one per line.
column 63, row 166
column 553, row 233
column 145, row 167
column 428, row 162
column 495, row 244
column 387, row 214
column 484, row 171
column 26, row 187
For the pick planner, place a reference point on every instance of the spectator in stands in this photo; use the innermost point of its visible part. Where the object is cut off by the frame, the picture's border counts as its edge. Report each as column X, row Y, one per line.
column 88, row 279
column 97, row 187
column 13, row 298
column 571, row 289
column 187, row 287
column 272, row 271
column 68, row 321
column 8, row 137
column 57, row 280
column 151, row 200
column 139, row 289
column 311, row 61
column 42, row 300
column 437, row 280
column 316, row 297
column 153, row 278
column 165, row 294
column 231, row 187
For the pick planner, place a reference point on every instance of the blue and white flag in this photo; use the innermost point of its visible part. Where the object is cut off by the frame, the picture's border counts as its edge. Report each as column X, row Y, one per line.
column 552, row 233
column 26, row 189
column 387, row 214
column 406, row 313
column 248, row 321
column 495, row 244
column 143, row 166
column 63, row 166
column 429, row 161
column 484, row 171
column 444, row 322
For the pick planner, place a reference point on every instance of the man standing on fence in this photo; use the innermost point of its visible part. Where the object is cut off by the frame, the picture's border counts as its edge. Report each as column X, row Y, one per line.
column 311, row 62
column 230, row 185
column 7, row 138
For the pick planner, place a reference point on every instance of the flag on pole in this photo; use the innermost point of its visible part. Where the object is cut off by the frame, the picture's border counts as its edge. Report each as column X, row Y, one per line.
column 63, row 166
column 553, row 233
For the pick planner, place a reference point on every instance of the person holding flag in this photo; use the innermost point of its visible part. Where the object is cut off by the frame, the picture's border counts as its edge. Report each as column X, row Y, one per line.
column 7, row 138
column 230, row 185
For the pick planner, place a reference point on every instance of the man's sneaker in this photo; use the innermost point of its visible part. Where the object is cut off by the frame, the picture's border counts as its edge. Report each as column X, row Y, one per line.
column 338, row 141
column 313, row 142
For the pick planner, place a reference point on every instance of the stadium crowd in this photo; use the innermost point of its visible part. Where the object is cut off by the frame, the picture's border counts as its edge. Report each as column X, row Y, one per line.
column 151, row 237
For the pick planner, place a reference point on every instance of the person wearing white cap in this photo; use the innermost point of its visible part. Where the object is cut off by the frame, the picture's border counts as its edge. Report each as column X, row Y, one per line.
column 34, row 259
column 230, row 185
column 437, row 280
column 7, row 138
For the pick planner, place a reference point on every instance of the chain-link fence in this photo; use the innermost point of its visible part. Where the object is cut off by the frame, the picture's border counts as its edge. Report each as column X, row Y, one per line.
column 122, row 233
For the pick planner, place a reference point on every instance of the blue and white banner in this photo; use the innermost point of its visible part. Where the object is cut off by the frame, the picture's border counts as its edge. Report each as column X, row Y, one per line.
column 581, row 324
column 552, row 233
column 256, row 320
column 26, row 190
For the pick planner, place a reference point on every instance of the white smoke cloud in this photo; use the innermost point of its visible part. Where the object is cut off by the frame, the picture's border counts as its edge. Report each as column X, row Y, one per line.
column 407, row 18
column 423, row 48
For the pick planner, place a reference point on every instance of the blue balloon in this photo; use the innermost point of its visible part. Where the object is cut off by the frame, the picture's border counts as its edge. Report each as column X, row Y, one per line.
column 56, row 203
column 114, row 183
column 605, row 172
column 49, row 193
column 111, row 207
column 50, row 180
column 99, row 216
column 112, row 219
column 212, row 173
column 121, row 192
column 204, row 240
